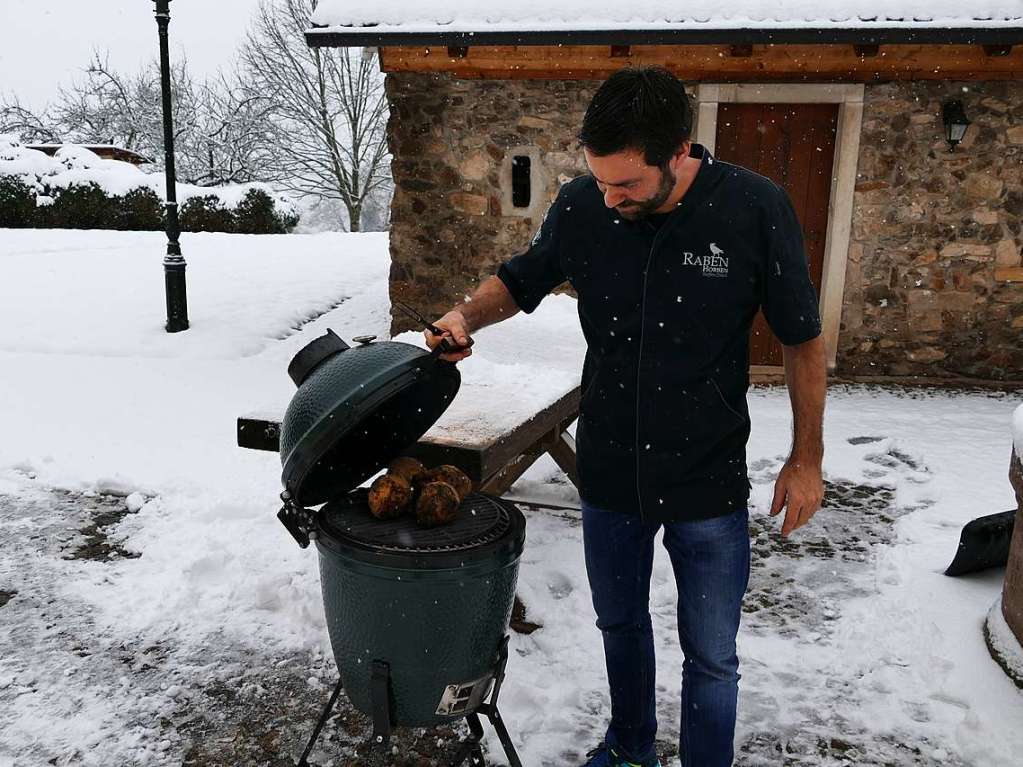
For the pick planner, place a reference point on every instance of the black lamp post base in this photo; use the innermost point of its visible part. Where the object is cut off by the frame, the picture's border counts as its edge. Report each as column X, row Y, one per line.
column 177, row 301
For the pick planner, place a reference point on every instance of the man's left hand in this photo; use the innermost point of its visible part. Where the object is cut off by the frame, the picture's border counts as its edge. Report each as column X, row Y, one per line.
column 800, row 488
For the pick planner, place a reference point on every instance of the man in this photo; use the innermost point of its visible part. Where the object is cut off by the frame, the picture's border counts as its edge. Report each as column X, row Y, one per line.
column 671, row 254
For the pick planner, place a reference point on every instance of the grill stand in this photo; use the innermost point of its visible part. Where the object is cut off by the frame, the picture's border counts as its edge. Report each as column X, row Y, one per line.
column 470, row 748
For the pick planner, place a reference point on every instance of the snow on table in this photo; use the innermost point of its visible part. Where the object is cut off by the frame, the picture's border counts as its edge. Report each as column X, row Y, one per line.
column 505, row 385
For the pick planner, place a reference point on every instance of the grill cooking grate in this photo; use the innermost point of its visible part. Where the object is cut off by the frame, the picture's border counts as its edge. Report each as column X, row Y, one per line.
column 481, row 520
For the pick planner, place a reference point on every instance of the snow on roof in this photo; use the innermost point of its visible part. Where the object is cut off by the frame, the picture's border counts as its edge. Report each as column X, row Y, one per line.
column 119, row 152
column 461, row 16
column 90, row 147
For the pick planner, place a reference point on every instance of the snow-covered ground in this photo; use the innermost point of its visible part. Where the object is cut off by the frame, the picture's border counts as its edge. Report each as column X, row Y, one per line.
column 127, row 643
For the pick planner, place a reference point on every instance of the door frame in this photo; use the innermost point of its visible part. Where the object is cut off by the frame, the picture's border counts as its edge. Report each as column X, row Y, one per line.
column 849, row 98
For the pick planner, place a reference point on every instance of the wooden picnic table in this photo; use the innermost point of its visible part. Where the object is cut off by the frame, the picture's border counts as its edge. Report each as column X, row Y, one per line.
column 488, row 432
column 519, row 394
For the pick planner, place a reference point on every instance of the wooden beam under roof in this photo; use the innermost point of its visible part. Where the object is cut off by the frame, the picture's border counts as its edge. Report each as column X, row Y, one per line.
column 715, row 63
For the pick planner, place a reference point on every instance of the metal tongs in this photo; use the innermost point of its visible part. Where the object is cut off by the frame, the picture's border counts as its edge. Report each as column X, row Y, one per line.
column 445, row 346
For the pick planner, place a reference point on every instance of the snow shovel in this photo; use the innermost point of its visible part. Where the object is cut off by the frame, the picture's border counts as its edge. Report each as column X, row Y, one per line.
column 983, row 543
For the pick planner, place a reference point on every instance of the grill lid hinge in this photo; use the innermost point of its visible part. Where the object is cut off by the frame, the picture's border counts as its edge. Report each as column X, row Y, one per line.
column 298, row 521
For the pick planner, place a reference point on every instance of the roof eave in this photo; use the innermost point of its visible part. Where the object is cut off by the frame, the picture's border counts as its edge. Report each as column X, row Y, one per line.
column 367, row 37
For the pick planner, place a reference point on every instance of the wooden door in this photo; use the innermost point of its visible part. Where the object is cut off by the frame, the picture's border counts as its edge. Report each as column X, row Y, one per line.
column 794, row 146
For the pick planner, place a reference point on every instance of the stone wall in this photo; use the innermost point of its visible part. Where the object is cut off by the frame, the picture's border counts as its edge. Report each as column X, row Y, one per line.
column 929, row 229
column 451, row 221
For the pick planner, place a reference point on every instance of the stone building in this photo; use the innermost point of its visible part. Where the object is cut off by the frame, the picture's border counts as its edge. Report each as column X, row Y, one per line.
column 915, row 249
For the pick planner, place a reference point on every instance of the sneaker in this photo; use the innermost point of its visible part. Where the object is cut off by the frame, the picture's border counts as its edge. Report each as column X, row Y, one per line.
column 605, row 756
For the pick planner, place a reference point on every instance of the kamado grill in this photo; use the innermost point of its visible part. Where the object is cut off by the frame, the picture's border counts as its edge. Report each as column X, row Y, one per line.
column 417, row 617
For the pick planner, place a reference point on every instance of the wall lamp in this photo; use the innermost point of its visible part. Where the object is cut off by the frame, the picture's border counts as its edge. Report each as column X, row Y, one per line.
column 956, row 122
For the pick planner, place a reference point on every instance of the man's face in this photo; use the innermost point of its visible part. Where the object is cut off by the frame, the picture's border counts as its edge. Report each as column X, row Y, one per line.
column 629, row 185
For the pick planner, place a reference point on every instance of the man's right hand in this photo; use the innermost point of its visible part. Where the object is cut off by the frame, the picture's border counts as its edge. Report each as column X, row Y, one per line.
column 456, row 330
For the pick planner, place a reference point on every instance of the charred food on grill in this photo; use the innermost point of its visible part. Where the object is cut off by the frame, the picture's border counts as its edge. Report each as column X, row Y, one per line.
column 437, row 504
column 440, row 494
column 433, row 495
column 453, row 476
column 409, row 468
column 389, row 496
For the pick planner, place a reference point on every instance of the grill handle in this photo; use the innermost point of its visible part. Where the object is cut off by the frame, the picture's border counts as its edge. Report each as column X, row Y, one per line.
column 445, row 346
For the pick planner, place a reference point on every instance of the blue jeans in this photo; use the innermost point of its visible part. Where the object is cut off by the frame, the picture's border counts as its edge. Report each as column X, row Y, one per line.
column 711, row 561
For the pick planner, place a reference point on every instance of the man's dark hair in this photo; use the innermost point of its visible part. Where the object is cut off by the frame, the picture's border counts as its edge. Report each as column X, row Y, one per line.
column 644, row 108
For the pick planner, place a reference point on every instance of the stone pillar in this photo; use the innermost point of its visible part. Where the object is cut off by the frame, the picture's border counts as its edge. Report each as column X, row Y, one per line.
column 453, row 145
column 1012, row 592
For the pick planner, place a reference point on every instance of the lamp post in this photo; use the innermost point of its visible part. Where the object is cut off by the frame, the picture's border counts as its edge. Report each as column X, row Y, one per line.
column 173, row 262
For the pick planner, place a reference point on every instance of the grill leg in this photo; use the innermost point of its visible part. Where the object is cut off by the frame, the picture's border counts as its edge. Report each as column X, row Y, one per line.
column 502, row 733
column 476, row 728
column 380, row 692
column 319, row 725
column 471, row 748
column 490, row 708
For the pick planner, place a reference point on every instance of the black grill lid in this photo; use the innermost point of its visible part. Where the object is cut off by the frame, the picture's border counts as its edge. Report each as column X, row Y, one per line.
column 484, row 526
column 355, row 410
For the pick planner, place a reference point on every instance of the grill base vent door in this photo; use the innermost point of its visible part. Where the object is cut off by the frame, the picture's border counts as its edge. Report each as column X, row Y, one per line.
column 459, row 698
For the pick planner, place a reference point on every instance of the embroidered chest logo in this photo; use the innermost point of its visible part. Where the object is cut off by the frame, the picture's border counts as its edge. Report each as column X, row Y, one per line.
column 714, row 264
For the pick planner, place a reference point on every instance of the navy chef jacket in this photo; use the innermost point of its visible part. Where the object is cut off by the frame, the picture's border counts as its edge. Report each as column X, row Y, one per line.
column 666, row 312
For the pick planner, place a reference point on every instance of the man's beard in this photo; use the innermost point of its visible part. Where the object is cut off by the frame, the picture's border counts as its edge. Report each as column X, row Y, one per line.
column 643, row 208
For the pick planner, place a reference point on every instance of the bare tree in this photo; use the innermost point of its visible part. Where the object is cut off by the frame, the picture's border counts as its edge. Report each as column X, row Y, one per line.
column 108, row 107
column 25, row 124
column 232, row 140
column 222, row 133
column 312, row 121
column 329, row 109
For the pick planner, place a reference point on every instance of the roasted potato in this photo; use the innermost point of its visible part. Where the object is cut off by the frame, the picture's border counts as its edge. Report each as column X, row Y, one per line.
column 453, row 476
column 409, row 468
column 437, row 504
column 390, row 496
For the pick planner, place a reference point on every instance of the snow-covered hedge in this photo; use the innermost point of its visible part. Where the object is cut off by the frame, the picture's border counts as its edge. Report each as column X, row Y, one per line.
column 75, row 188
